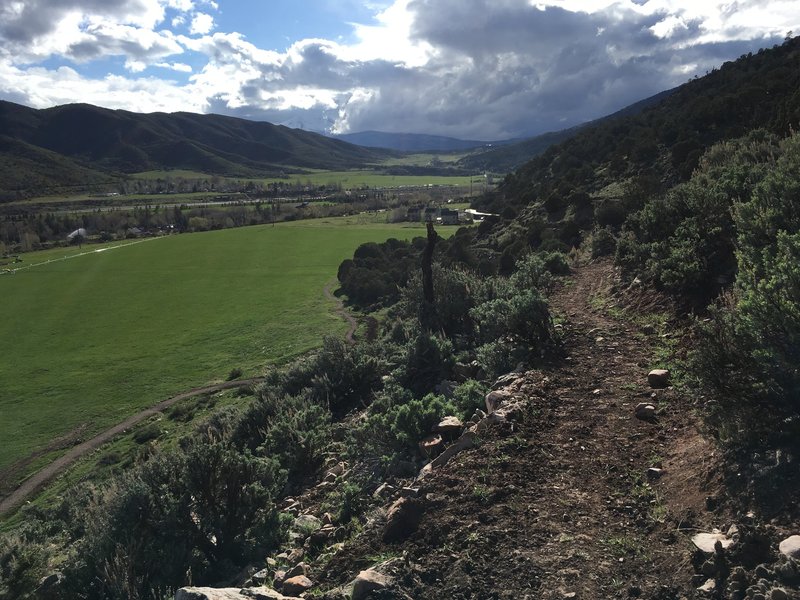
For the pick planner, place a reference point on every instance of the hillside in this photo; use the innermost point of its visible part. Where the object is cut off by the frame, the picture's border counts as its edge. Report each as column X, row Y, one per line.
column 117, row 141
column 506, row 157
column 593, row 394
column 24, row 167
column 662, row 144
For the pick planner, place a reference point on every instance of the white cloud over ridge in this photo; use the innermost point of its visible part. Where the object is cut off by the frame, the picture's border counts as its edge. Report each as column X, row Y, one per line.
column 478, row 69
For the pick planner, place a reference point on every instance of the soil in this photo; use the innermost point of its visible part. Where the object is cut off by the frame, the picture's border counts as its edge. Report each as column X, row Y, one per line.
column 558, row 504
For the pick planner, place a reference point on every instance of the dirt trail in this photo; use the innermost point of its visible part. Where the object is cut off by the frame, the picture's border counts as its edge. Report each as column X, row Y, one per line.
column 559, row 505
column 36, row 481
column 342, row 312
column 39, row 479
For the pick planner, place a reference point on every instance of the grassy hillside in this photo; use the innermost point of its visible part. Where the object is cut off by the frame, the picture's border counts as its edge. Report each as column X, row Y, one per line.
column 666, row 140
column 24, row 166
column 103, row 334
column 120, row 141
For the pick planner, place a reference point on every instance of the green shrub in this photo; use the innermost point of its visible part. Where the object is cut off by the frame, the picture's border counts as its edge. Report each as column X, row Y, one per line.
column 408, row 423
column 296, row 432
column 22, row 564
column 603, row 242
column 147, row 433
column 469, row 396
column 500, row 357
column 556, row 263
column 206, row 510
column 684, row 241
column 345, row 375
column 750, row 350
column 429, row 359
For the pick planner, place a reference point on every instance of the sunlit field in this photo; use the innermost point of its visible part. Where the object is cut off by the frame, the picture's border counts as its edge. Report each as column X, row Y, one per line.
column 92, row 338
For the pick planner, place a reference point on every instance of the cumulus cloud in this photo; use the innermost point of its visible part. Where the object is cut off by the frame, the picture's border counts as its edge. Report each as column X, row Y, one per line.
column 180, row 67
column 202, row 23
column 470, row 68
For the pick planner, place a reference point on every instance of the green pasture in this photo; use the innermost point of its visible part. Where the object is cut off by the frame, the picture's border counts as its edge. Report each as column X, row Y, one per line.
column 424, row 159
column 371, row 179
column 91, row 339
column 347, row 179
column 46, row 203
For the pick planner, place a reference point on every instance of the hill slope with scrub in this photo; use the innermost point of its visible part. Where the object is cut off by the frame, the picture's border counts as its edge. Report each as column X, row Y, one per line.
column 81, row 142
column 496, row 430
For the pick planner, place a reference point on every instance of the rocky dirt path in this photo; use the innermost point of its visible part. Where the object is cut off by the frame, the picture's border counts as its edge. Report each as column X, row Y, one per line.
column 558, row 504
column 35, row 482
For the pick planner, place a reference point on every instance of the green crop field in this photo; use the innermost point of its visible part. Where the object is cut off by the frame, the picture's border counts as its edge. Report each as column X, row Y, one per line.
column 372, row 179
column 347, row 179
column 90, row 339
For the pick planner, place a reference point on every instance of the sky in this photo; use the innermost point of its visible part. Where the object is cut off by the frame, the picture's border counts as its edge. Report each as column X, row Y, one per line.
column 472, row 69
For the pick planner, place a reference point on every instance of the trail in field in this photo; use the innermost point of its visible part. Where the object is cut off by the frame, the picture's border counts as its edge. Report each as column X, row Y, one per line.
column 342, row 312
column 36, row 481
column 39, row 479
column 96, row 251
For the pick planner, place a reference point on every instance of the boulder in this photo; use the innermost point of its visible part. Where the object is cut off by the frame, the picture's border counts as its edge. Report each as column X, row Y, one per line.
column 449, row 426
column 294, row 586
column 465, row 371
column 262, row 576
column 295, row 556
column 645, row 412
column 446, row 388
column 384, row 490
column 369, row 581
column 402, row 519
column 409, row 492
column 495, row 398
column 706, row 542
column 431, row 446
column 286, row 503
column 790, row 547
column 299, row 569
column 337, row 470
column 467, row 440
column 708, row 587
column 658, row 378
column 307, row 523
column 323, row 534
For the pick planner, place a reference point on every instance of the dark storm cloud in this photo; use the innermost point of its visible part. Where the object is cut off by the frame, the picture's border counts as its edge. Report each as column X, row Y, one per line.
column 507, row 68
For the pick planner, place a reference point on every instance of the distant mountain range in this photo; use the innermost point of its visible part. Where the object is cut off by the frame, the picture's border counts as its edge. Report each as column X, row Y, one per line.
column 411, row 142
column 79, row 143
column 80, row 146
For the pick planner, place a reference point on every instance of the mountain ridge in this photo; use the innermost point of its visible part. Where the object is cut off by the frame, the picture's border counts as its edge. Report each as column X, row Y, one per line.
column 118, row 142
